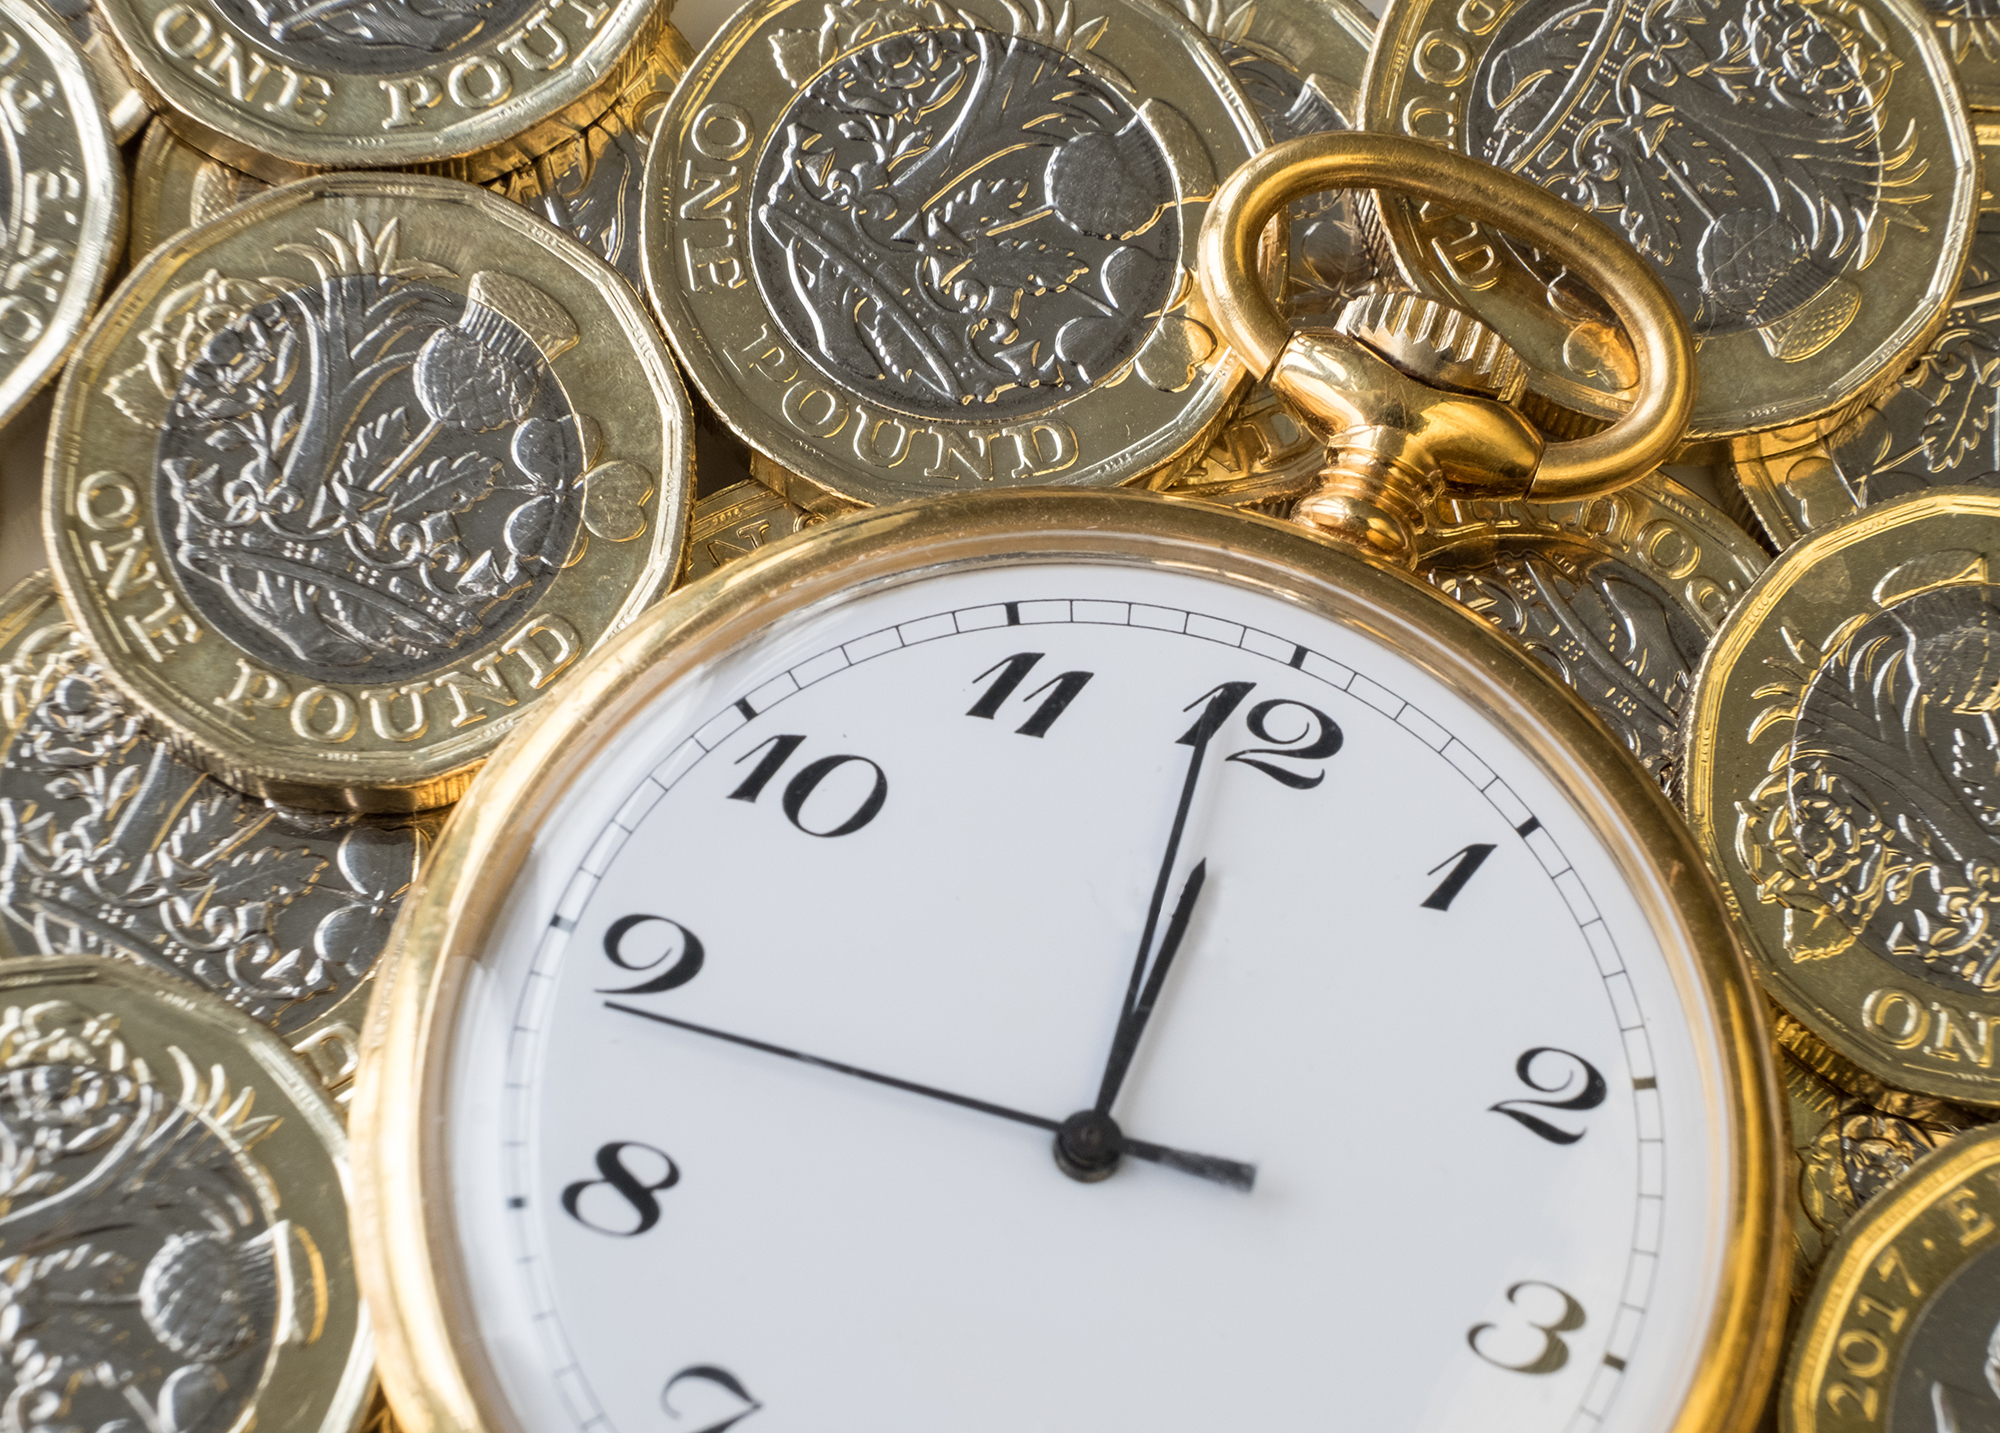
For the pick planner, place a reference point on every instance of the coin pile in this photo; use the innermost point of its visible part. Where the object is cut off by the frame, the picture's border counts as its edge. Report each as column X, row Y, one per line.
column 379, row 361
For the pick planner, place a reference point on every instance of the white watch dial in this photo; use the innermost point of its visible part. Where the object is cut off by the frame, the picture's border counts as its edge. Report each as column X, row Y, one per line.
column 752, row 1111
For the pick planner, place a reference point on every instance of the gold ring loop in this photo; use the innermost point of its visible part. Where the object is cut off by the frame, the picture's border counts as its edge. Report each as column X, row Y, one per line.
column 1650, row 429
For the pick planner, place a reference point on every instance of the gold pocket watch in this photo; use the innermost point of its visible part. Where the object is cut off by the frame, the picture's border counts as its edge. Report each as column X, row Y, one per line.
column 1081, row 960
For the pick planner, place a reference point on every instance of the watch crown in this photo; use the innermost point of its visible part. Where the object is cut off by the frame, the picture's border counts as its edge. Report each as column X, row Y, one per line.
column 1434, row 342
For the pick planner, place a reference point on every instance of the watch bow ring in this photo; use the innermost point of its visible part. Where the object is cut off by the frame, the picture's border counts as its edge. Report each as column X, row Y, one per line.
column 1411, row 395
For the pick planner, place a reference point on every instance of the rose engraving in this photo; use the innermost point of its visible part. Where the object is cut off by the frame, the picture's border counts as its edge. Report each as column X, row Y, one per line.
column 959, row 222
column 150, row 1282
column 359, row 477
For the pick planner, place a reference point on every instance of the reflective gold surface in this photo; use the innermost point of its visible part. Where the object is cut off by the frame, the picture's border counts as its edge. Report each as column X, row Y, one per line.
column 440, row 1377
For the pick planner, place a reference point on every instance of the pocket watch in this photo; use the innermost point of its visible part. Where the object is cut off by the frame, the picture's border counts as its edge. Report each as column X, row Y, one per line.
column 968, row 965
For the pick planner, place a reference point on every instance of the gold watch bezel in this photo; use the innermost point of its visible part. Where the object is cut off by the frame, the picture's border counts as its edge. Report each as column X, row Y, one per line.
column 438, row 1375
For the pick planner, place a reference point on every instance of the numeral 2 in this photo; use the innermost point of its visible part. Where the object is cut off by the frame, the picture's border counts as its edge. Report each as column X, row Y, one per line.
column 706, row 1380
column 1318, row 739
column 1588, row 1098
column 632, row 1188
column 1554, row 1353
column 1062, row 691
column 805, row 781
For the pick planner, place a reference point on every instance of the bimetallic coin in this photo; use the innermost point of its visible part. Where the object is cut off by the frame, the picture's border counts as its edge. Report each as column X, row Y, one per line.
column 62, row 200
column 1300, row 62
column 1903, row 1329
column 1934, row 428
column 125, row 106
column 909, row 250
column 269, row 85
column 175, row 186
column 1843, row 777
column 1800, row 174
column 590, row 183
column 1617, row 595
column 176, row 1221
column 112, row 845
column 736, row 522
column 1848, row 1152
column 345, row 480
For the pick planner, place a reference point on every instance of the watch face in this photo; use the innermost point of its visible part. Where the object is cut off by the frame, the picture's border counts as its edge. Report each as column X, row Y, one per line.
column 1383, row 1101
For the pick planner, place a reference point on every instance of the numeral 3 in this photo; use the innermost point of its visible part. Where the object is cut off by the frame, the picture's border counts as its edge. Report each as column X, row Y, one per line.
column 1554, row 1353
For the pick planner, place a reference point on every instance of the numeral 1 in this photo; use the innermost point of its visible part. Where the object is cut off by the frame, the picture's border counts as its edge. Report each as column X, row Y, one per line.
column 1463, row 864
column 1012, row 672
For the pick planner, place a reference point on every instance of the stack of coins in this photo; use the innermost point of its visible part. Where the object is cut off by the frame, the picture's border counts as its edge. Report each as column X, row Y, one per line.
column 448, row 337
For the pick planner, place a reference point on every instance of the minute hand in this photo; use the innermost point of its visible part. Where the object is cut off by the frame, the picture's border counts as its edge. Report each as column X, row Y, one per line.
column 1206, row 1166
column 1217, row 707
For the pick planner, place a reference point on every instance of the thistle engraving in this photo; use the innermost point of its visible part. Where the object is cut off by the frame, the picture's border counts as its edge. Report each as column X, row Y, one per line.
column 1879, row 823
column 152, row 1282
column 109, row 844
column 360, row 477
column 1738, row 144
column 1936, row 427
column 963, row 223
column 377, row 36
column 1619, row 640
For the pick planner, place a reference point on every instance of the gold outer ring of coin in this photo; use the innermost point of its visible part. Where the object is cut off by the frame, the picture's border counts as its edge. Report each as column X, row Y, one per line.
column 68, row 184
column 1617, row 594
column 1812, row 835
column 1869, row 1323
column 1813, row 351
column 220, row 1104
column 326, row 884
column 1637, row 442
column 841, row 438
column 175, row 186
column 274, row 108
column 1800, row 478
column 224, row 667
column 1848, row 1154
